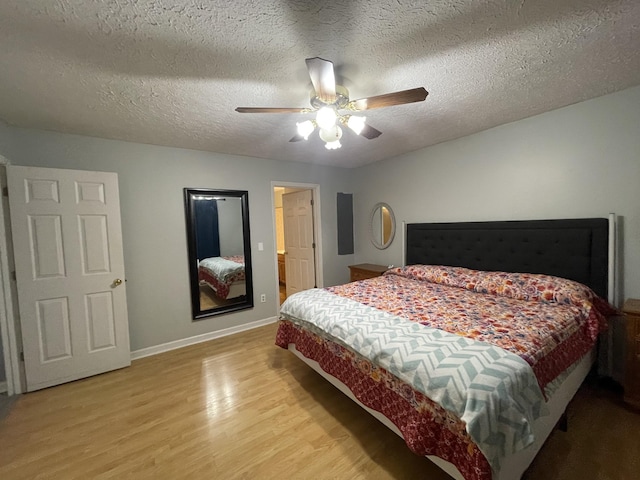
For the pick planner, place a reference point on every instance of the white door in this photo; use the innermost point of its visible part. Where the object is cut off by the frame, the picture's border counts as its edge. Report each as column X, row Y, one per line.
column 298, row 241
column 69, row 265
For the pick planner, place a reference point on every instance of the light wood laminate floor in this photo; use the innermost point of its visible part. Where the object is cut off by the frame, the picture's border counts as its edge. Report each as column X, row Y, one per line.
column 240, row 407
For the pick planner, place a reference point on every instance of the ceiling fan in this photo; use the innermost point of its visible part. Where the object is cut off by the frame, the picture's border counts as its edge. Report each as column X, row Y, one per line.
column 328, row 99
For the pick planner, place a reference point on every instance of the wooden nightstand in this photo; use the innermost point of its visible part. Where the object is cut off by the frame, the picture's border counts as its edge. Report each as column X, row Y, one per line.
column 632, row 366
column 362, row 271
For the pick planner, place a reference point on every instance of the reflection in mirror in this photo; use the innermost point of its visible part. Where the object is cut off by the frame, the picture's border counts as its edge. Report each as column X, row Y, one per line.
column 383, row 226
column 219, row 251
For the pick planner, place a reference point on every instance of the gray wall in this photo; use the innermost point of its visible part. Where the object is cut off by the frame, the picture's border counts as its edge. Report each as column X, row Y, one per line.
column 151, row 180
column 579, row 161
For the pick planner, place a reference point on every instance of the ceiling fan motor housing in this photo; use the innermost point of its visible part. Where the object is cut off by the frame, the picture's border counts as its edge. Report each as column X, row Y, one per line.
column 340, row 102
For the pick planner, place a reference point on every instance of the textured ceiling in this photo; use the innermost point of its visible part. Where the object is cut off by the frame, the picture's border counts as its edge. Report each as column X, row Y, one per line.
column 171, row 72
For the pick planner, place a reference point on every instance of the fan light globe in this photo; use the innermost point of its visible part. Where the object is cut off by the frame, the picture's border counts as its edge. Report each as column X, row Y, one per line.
column 305, row 129
column 330, row 134
column 331, row 137
column 326, row 117
column 356, row 124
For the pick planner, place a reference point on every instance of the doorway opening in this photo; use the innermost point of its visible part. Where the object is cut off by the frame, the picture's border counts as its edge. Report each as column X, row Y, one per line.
column 296, row 213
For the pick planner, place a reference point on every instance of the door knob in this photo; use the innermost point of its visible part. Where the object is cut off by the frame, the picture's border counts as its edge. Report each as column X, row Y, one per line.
column 117, row 282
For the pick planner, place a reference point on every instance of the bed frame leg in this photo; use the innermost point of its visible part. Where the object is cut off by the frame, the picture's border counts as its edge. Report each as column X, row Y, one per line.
column 563, row 423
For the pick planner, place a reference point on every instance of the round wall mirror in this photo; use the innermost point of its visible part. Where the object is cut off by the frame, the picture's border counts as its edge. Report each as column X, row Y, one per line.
column 383, row 226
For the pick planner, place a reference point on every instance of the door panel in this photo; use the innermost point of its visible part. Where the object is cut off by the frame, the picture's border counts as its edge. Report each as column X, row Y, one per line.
column 68, row 254
column 100, row 321
column 94, row 244
column 47, row 257
column 54, row 332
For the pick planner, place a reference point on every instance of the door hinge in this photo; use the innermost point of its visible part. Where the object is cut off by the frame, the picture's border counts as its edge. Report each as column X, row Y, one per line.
column 13, row 276
column 312, row 202
column 313, row 245
column 22, row 356
column 5, row 191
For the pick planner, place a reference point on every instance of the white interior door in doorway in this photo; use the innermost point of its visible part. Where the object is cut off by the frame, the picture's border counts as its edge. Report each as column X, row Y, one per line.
column 69, row 264
column 299, row 241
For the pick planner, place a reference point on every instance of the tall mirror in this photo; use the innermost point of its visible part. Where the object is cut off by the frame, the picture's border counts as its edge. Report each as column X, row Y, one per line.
column 383, row 226
column 219, row 251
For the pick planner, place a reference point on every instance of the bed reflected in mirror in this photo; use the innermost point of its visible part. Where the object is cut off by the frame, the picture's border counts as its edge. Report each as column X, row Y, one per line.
column 219, row 251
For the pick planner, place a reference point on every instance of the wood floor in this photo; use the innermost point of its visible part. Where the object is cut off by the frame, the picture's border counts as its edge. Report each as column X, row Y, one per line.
column 241, row 408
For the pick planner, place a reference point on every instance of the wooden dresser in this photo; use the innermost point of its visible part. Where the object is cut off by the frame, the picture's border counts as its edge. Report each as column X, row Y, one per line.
column 632, row 367
column 362, row 271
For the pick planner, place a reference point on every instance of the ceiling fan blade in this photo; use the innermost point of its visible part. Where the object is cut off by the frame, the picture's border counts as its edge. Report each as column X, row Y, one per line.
column 297, row 138
column 323, row 78
column 271, row 110
column 389, row 99
column 370, row 132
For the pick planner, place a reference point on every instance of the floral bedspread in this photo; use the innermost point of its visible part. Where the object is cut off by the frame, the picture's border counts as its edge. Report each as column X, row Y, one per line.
column 549, row 322
column 220, row 272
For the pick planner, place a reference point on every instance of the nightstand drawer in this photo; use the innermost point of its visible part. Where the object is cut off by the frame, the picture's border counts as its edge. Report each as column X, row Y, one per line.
column 363, row 271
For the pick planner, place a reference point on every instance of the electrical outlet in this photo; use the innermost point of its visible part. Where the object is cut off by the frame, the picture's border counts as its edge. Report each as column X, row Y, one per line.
column 263, row 298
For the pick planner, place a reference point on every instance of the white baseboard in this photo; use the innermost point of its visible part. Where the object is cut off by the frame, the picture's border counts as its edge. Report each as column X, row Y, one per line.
column 205, row 337
column 3, row 387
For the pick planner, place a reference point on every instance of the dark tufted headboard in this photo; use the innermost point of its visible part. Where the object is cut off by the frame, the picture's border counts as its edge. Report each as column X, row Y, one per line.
column 576, row 249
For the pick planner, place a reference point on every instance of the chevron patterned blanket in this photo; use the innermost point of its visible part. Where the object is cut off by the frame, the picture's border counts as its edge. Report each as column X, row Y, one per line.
column 493, row 391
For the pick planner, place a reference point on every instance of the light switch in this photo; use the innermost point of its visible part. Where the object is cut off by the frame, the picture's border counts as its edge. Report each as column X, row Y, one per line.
column 260, row 246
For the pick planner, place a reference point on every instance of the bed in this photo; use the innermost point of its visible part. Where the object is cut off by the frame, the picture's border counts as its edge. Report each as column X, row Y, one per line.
column 224, row 275
column 471, row 364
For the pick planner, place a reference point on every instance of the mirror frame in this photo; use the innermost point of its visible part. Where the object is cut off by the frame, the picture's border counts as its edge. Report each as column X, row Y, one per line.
column 392, row 234
column 243, row 195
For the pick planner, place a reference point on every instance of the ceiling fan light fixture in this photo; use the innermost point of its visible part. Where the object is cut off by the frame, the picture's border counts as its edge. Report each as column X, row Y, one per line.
column 326, row 117
column 305, row 128
column 356, row 124
column 328, row 100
